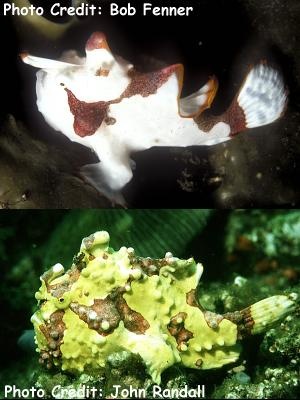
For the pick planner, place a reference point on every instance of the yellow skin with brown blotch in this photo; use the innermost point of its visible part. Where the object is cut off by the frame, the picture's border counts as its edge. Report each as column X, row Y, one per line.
column 111, row 301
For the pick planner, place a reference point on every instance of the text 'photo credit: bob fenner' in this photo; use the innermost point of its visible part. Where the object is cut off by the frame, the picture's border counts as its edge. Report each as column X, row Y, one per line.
column 150, row 104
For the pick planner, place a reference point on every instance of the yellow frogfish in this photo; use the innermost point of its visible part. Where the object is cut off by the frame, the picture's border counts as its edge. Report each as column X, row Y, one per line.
column 115, row 301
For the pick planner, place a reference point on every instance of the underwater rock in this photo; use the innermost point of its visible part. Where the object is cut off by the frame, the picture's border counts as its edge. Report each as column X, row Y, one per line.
column 281, row 344
column 272, row 233
column 267, row 241
column 115, row 301
column 277, row 383
column 37, row 175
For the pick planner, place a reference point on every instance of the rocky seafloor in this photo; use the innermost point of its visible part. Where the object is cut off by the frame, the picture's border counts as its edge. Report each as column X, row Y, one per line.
column 247, row 256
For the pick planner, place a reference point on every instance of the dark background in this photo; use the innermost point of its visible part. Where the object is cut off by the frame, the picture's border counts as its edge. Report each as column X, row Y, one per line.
column 258, row 168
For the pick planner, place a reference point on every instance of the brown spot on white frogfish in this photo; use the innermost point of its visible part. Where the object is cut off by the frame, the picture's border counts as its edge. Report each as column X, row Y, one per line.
column 87, row 116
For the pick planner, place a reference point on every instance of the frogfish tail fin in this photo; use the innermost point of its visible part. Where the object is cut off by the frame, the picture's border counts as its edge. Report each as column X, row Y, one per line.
column 261, row 100
column 260, row 316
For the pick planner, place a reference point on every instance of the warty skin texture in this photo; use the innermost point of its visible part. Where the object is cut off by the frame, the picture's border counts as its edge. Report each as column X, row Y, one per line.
column 113, row 301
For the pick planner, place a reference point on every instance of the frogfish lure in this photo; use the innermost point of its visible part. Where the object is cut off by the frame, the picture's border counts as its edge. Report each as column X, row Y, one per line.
column 105, row 104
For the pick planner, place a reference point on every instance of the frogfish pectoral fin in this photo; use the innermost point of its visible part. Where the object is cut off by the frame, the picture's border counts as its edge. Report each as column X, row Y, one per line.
column 194, row 104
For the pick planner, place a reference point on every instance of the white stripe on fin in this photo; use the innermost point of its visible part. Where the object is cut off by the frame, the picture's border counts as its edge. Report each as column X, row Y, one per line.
column 263, row 96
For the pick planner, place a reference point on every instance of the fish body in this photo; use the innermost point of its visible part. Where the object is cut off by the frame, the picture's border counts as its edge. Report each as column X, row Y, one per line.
column 104, row 103
column 114, row 301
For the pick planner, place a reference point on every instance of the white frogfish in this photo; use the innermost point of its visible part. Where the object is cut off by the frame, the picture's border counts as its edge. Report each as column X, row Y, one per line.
column 105, row 104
